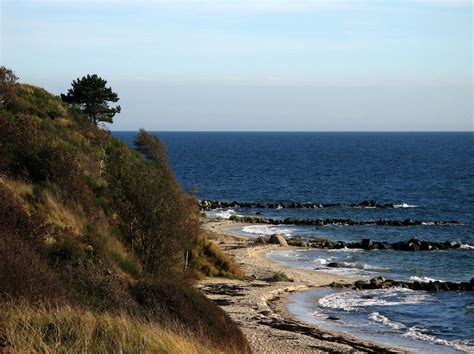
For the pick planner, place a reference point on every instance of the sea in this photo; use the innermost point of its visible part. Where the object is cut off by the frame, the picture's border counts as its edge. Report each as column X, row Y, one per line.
column 427, row 176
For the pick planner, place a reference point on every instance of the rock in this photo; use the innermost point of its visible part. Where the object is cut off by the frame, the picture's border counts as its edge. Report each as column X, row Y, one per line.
column 336, row 285
column 366, row 243
column 277, row 239
column 426, row 246
column 377, row 282
column 333, row 318
column 334, row 265
column 262, row 239
column 360, row 284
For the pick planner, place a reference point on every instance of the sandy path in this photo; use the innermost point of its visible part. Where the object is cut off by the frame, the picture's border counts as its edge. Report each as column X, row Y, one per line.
column 259, row 307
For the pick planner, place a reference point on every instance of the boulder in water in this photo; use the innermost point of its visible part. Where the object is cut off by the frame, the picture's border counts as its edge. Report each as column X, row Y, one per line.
column 366, row 244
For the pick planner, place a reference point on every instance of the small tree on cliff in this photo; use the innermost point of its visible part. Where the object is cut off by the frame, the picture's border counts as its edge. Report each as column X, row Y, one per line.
column 92, row 96
column 8, row 86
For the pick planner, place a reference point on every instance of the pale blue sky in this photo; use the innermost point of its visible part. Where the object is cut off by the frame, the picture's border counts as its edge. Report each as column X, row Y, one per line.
column 255, row 65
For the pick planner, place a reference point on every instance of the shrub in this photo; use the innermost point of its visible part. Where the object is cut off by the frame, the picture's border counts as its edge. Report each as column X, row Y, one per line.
column 8, row 86
column 158, row 219
column 24, row 271
column 277, row 277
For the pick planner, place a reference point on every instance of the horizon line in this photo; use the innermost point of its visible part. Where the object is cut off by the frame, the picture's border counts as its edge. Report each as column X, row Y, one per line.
column 299, row 131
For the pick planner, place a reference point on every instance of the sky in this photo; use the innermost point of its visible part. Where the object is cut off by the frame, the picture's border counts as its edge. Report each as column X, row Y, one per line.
column 255, row 65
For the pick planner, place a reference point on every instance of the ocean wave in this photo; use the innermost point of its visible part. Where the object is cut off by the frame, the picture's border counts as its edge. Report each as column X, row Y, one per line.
column 266, row 230
column 323, row 261
column 221, row 214
column 417, row 333
column 377, row 317
column 345, row 249
column 466, row 246
column 364, row 266
column 350, row 301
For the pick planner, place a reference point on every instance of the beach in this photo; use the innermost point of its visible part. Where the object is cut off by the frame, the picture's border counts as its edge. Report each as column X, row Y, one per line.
column 260, row 306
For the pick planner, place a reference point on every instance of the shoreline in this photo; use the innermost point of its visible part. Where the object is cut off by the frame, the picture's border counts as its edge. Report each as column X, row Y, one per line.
column 260, row 307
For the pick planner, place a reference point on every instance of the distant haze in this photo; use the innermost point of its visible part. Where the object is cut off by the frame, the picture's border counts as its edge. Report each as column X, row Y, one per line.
column 242, row 65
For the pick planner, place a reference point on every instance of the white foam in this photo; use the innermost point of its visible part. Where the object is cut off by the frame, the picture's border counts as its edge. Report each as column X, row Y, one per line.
column 423, row 279
column 221, row 213
column 345, row 249
column 355, row 301
column 405, row 205
column 323, row 261
column 467, row 247
column 377, row 317
column 267, row 230
column 416, row 333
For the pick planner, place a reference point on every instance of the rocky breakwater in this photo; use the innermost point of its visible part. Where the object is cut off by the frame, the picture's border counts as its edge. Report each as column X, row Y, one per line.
column 217, row 204
column 338, row 222
column 434, row 286
column 413, row 244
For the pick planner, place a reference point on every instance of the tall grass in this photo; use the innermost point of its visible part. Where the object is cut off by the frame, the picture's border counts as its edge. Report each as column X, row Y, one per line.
column 209, row 260
column 27, row 329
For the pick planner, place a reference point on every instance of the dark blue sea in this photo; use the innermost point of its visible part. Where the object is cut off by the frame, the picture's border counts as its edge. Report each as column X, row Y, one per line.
column 427, row 176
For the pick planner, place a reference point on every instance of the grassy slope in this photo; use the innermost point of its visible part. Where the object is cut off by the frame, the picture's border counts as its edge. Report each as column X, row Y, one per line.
column 69, row 270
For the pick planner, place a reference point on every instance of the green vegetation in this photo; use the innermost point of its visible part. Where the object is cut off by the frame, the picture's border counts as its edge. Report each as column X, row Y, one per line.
column 94, row 239
column 91, row 95
column 280, row 276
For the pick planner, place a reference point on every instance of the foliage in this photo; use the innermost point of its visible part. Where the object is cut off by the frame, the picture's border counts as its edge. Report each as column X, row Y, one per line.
column 92, row 96
column 8, row 86
column 159, row 221
column 24, row 271
column 86, row 221
column 152, row 148
column 277, row 277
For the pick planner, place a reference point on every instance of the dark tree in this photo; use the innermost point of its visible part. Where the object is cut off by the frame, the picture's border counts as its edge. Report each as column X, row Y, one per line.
column 152, row 148
column 8, row 86
column 92, row 96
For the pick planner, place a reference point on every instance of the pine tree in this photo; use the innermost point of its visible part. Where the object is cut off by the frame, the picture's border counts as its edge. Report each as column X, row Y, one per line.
column 92, row 97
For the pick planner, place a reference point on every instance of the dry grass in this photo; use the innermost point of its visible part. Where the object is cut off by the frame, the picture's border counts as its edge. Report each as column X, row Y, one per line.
column 211, row 261
column 125, row 260
column 60, row 215
column 18, row 188
column 67, row 330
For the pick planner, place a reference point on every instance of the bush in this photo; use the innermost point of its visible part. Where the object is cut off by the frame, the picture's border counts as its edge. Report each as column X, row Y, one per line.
column 24, row 271
column 277, row 277
column 159, row 221
column 8, row 86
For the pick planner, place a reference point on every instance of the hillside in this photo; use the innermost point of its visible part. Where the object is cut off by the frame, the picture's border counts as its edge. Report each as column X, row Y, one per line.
column 94, row 239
